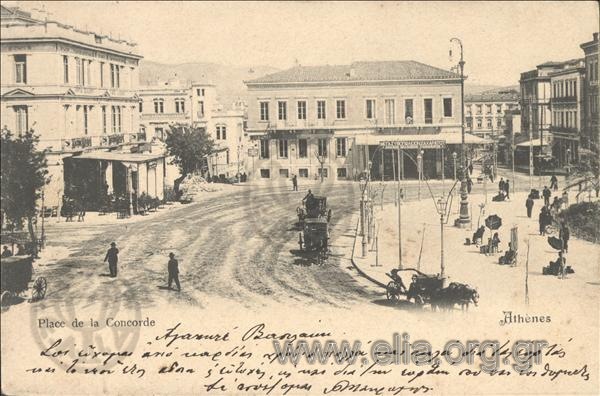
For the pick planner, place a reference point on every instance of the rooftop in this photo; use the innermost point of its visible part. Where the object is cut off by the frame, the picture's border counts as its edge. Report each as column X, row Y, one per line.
column 358, row 71
column 509, row 95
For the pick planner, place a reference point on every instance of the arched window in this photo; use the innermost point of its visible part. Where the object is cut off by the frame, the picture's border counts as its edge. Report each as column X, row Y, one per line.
column 159, row 105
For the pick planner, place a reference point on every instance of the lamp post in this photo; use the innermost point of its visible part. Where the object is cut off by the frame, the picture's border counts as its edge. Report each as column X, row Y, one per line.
column 420, row 170
column 454, row 160
column 464, row 218
column 363, row 215
column 442, row 210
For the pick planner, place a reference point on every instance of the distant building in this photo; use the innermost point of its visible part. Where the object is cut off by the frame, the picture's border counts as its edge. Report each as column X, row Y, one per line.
column 591, row 128
column 342, row 121
column 195, row 104
column 484, row 112
column 77, row 90
column 568, row 115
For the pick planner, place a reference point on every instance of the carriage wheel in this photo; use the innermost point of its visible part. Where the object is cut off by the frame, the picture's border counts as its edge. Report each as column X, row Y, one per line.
column 419, row 300
column 6, row 298
column 39, row 287
column 390, row 292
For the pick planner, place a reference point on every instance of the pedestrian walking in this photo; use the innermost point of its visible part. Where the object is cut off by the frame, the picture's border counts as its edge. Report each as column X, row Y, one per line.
column 501, row 186
column 112, row 256
column 529, row 205
column 173, row 268
column 294, row 183
column 469, row 185
column 554, row 182
column 507, row 188
column 564, row 234
column 542, row 218
column 565, row 199
column 546, row 193
column 471, row 168
column 562, row 265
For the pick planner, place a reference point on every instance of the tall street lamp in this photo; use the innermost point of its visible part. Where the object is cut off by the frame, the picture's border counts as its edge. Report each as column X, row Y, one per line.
column 454, row 160
column 420, row 170
column 464, row 218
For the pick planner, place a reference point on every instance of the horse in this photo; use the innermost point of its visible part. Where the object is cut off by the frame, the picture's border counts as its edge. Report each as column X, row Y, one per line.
column 456, row 293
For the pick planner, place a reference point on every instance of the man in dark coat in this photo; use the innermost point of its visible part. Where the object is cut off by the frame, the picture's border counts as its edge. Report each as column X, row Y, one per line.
column 546, row 193
column 469, row 185
column 112, row 255
column 173, row 268
column 529, row 205
column 294, row 183
column 507, row 188
column 501, row 186
column 554, row 182
column 564, row 234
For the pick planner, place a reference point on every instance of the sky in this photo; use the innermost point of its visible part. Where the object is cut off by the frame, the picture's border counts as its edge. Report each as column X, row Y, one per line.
column 500, row 39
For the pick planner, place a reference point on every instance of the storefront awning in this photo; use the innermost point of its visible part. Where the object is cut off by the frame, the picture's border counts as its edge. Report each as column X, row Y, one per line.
column 118, row 156
column 420, row 140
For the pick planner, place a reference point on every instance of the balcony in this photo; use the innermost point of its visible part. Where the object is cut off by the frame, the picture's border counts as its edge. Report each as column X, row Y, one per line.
column 77, row 143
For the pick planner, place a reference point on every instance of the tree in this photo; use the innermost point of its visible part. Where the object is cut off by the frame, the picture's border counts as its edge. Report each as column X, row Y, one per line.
column 23, row 176
column 586, row 172
column 189, row 147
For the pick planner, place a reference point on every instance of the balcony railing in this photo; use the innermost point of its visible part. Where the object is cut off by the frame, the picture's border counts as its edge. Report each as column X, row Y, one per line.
column 77, row 143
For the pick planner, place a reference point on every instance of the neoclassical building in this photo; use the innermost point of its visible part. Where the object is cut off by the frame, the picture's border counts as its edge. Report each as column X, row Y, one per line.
column 77, row 90
column 340, row 121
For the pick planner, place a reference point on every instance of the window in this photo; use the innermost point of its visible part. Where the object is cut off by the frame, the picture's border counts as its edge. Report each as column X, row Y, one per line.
column 447, row 107
column 264, row 111
column 469, row 123
column 179, row 105
column 489, row 122
column 302, row 148
column 159, row 133
column 499, row 108
column 340, row 147
column 104, row 120
column 66, row 69
column 323, row 171
column 469, row 110
column 115, row 78
column 428, row 105
column 102, row 74
column 499, row 122
column 322, row 147
column 284, row 173
column 408, row 111
column 341, row 173
column 340, row 109
column 575, row 88
column 370, row 109
column 78, row 71
column 302, row 172
column 302, row 110
column 201, row 109
column 22, row 121
column 479, row 123
column 488, row 109
column 282, row 111
column 390, row 111
column 478, row 109
column 85, row 119
column 87, row 75
column 321, row 110
column 200, row 91
column 159, row 106
column 264, row 148
column 265, row 173
column 283, row 148
column 20, row 69
column 221, row 132
column 140, row 106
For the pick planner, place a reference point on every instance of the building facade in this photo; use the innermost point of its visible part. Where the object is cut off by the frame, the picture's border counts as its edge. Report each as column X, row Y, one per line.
column 568, row 117
column 77, row 90
column 195, row 104
column 339, row 122
column 484, row 112
column 591, row 128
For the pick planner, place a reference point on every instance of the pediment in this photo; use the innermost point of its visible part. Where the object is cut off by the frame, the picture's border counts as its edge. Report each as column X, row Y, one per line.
column 18, row 93
column 70, row 92
column 106, row 94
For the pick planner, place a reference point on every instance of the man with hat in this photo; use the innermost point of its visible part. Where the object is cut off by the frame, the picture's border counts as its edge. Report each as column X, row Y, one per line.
column 173, row 268
column 112, row 255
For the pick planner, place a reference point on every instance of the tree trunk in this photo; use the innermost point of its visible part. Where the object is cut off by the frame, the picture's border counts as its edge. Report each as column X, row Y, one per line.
column 32, row 236
column 177, row 183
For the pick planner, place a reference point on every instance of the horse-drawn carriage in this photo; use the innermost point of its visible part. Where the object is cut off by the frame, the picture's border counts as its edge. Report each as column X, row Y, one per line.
column 16, row 273
column 314, row 219
column 428, row 289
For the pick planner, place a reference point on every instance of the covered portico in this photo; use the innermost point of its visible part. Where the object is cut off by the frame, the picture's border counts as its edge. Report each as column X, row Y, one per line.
column 92, row 176
column 410, row 156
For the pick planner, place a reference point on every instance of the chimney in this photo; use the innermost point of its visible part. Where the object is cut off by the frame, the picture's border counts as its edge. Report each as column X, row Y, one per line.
column 596, row 36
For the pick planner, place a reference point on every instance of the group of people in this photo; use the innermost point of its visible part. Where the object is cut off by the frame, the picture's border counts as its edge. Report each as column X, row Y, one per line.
column 6, row 252
column 504, row 188
column 112, row 256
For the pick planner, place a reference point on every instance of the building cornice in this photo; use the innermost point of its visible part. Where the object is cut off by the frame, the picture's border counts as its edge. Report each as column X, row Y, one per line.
column 291, row 84
column 69, row 42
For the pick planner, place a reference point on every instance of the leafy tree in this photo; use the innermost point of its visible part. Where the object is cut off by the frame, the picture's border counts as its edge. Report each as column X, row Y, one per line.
column 586, row 172
column 23, row 175
column 189, row 147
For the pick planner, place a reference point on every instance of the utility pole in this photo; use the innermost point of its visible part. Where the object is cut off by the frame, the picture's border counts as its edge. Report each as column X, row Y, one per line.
column 464, row 217
column 399, row 219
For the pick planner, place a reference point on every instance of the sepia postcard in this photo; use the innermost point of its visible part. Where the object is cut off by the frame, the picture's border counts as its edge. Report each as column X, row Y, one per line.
column 300, row 198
